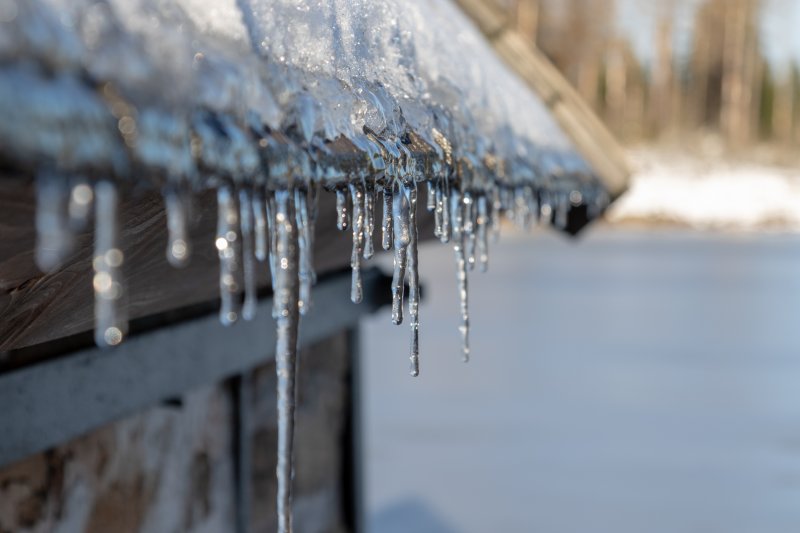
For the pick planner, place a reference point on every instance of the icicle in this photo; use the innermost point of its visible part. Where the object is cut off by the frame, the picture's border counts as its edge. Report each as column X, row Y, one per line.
column 562, row 210
column 272, row 235
column 227, row 243
column 412, row 272
column 446, row 232
column 304, row 240
column 533, row 204
column 437, row 210
column 497, row 206
column 248, row 255
column 341, row 209
column 369, row 218
column 54, row 236
column 387, row 215
column 287, row 292
column 80, row 204
column 521, row 209
column 260, row 228
column 178, row 239
column 545, row 208
column 111, row 323
column 357, row 197
column 459, row 238
column 483, row 242
column 430, row 199
column 312, row 208
column 469, row 229
column 401, row 238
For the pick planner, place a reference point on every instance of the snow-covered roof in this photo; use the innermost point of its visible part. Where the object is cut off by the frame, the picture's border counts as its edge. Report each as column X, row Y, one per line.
column 129, row 77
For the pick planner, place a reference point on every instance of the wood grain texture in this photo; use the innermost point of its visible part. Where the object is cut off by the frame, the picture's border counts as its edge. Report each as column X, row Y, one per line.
column 36, row 308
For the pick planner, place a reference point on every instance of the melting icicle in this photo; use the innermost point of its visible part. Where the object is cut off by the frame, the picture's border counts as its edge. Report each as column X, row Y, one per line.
column 54, row 236
column 436, row 194
column 413, row 278
column 341, row 209
column 312, row 207
column 522, row 212
column 287, row 293
column 497, row 206
column 178, row 239
column 469, row 228
column 248, row 255
column 305, row 243
column 430, row 199
column 228, row 247
column 444, row 206
column 387, row 226
column 562, row 210
column 260, row 228
column 482, row 222
column 369, row 218
column 273, row 235
column 357, row 196
column 80, row 204
column 459, row 238
column 401, row 238
column 111, row 323
column 545, row 208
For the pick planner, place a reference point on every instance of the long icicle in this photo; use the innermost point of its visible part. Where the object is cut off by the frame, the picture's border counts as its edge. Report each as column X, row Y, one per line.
column 260, row 224
column 53, row 233
column 438, row 212
column 304, row 240
column 272, row 234
column 228, row 244
column 369, row 218
column 412, row 273
column 482, row 222
column 287, row 293
column 248, row 254
column 341, row 209
column 459, row 237
column 401, row 237
column 357, row 197
column 447, row 230
column 110, row 314
column 178, row 249
column 80, row 204
column 312, row 208
column 430, row 197
column 387, row 225
column 469, row 228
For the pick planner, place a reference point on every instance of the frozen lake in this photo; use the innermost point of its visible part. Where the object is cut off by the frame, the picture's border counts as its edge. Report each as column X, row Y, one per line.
column 629, row 382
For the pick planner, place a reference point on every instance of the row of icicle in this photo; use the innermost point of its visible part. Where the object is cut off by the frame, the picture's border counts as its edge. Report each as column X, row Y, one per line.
column 276, row 227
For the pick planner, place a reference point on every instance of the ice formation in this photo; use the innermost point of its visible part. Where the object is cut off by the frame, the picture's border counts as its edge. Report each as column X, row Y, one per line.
column 267, row 102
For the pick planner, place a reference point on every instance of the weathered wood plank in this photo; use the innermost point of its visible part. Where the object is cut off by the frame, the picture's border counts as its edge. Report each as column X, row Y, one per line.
column 35, row 308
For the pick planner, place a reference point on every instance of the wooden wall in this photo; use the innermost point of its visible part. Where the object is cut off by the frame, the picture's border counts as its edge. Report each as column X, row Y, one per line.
column 172, row 467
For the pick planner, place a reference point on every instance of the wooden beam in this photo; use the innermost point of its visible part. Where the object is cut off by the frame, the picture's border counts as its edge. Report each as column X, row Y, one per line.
column 50, row 403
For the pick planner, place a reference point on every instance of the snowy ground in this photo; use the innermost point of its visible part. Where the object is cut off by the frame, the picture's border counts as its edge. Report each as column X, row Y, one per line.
column 675, row 188
column 627, row 382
